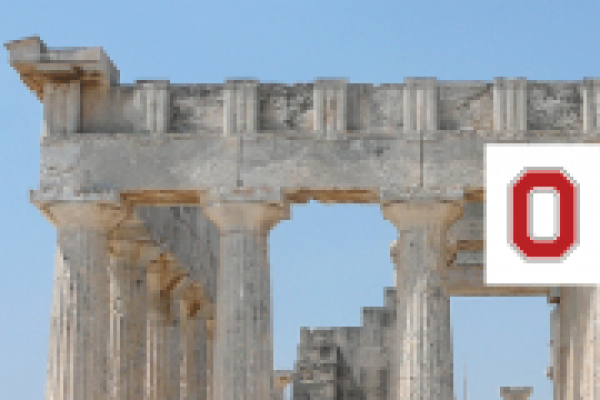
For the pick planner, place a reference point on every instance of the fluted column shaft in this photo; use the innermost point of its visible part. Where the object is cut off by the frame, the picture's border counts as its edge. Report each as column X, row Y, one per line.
column 79, row 336
column 580, row 347
column 162, row 363
column 423, row 353
column 243, row 362
column 209, row 360
column 121, row 272
column 127, row 342
column 193, row 351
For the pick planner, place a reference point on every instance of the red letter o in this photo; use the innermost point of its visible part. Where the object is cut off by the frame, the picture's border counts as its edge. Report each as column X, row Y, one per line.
column 519, row 214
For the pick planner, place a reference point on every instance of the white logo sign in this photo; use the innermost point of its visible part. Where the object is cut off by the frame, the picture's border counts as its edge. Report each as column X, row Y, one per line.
column 542, row 217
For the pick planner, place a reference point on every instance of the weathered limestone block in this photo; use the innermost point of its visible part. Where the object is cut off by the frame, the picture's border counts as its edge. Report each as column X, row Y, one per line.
column 590, row 111
column 376, row 109
column 286, row 108
column 420, row 104
column 151, row 163
column 516, row 393
column 342, row 164
column 465, row 106
column 424, row 367
column 330, row 108
column 62, row 107
column 555, row 105
column 77, row 362
column 151, row 104
column 240, row 107
column 510, row 104
column 111, row 109
column 243, row 361
column 197, row 108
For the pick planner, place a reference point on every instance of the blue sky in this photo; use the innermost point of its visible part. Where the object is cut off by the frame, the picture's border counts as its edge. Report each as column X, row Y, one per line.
column 328, row 261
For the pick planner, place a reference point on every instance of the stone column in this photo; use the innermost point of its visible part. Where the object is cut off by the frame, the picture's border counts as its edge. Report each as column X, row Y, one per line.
column 162, row 320
column 565, row 350
column 147, row 254
column 80, row 323
column 516, row 393
column 210, row 344
column 583, row 364
column 121, row 271
column 423, row 367
column 554, row 368
column 193, row 346
column 243, row 362
column 127, row 343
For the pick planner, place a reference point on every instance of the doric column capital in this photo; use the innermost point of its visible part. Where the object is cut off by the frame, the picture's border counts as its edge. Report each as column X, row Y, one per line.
column 281, row 379
column 124, row 249
column 410, row 215
column 148, row 253
column 247, row 209
column 99, row 216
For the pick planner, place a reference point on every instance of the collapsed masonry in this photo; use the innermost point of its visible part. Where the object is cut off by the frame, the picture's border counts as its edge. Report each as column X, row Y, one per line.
column 163, row 196
column 348, row 362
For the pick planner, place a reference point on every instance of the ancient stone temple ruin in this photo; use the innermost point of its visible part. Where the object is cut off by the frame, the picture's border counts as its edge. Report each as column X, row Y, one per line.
column 163, row 196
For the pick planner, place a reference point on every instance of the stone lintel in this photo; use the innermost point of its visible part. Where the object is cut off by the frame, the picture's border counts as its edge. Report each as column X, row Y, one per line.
column 466, row 281
column 180, row 198
column 422, row 195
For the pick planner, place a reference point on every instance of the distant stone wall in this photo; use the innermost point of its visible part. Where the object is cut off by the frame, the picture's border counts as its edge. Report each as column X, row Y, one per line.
column 350, row 363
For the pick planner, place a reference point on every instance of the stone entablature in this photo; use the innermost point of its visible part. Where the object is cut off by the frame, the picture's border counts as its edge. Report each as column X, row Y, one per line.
column 323, row 109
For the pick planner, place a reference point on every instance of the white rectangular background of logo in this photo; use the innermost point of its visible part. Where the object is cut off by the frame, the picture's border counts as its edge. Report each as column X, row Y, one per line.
column 503, row 164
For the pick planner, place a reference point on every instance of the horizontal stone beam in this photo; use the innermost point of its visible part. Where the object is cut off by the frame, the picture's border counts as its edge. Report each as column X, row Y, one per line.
column 181, row 163
column 469, row 280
